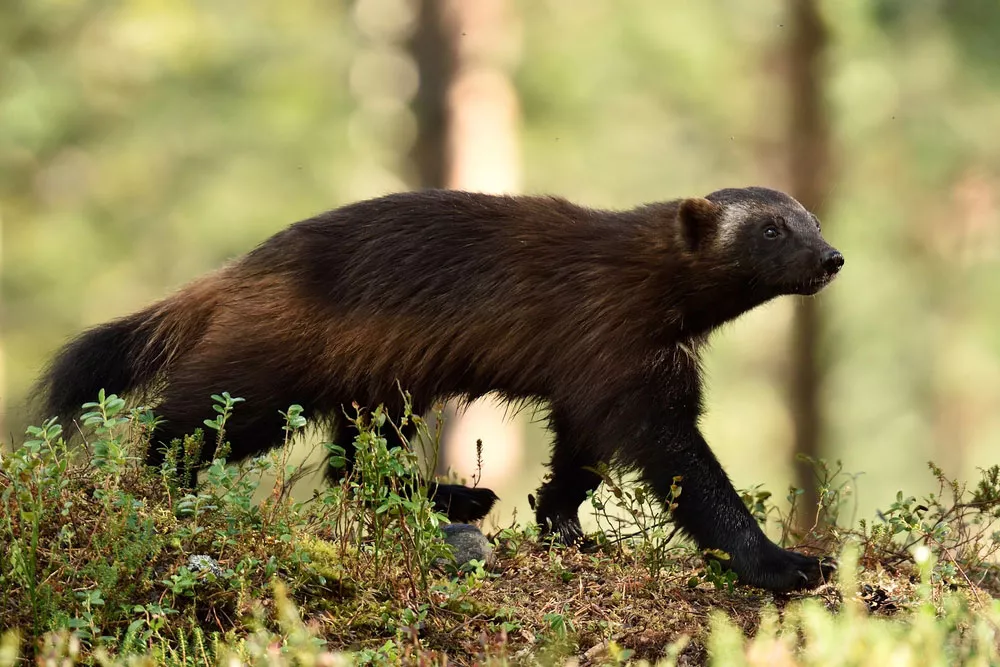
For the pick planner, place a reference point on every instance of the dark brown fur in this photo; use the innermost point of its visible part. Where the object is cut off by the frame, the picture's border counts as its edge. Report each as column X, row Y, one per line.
column 598, row 313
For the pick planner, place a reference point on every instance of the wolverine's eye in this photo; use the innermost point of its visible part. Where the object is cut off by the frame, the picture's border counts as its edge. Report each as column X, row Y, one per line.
column 771, row 232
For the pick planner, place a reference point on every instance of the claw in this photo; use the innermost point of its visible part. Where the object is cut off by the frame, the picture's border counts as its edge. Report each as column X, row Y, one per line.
column 566, row 530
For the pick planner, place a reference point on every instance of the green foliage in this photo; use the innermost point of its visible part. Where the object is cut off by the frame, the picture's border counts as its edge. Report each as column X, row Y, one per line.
column 806, row 633
column 952, row 632
column 127, row 560
column 715, row 572
column 961, row 528
column 631, row 513
column 104, row 560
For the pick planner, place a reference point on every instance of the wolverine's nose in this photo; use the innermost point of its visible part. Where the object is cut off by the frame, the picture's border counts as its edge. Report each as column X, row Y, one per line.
column 832, row 261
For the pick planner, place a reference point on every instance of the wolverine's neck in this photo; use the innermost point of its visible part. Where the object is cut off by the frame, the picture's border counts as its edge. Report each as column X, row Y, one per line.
column 700, row 299
column 645, row 277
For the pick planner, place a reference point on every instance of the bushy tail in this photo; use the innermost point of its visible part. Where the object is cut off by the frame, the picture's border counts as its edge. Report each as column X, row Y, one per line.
column 127, row 355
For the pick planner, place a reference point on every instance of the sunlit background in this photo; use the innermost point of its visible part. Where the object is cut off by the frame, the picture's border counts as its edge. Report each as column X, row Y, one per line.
column 144, row 142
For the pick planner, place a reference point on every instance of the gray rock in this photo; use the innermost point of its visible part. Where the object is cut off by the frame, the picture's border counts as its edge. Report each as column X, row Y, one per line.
column 198, row 563
column 468, row 543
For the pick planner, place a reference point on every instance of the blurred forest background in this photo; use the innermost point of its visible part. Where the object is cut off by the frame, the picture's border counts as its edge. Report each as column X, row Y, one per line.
column 144, row 142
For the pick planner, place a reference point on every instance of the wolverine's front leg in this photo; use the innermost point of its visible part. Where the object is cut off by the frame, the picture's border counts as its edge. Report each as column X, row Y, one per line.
column 708, row 509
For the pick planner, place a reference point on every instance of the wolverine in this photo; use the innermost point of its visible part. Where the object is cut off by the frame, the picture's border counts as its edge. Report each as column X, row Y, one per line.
column 599, row 315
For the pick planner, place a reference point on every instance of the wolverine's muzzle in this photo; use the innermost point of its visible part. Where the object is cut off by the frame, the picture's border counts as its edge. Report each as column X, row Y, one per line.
column 832, row 261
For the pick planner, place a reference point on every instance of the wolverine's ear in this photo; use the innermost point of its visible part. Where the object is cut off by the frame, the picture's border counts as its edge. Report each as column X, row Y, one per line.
column 699, row 219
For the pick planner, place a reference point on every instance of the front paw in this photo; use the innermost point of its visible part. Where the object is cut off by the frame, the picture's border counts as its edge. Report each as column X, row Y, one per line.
column 779, row 570
column 761, row 563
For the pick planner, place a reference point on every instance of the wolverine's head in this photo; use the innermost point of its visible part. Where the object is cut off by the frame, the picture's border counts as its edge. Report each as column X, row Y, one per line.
column 764, row 236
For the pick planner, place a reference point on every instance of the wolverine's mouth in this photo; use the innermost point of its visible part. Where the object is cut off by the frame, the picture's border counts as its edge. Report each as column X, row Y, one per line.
column 814, row 285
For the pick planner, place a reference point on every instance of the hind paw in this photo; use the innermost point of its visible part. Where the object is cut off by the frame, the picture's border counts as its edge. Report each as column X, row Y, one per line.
column 463, row 504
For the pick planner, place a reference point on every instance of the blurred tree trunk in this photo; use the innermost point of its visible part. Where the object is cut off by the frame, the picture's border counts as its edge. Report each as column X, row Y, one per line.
column 466, row 111
column 433, row 50
column 808, row 143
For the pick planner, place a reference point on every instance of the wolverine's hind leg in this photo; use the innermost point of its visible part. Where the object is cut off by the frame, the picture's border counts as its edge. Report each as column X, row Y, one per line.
column 571, row 479
column 344, row 432
column 256, row 423
column 460, row 503
column 248, row 434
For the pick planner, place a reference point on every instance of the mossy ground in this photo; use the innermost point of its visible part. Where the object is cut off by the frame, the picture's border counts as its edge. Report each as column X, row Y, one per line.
column 95, row 567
